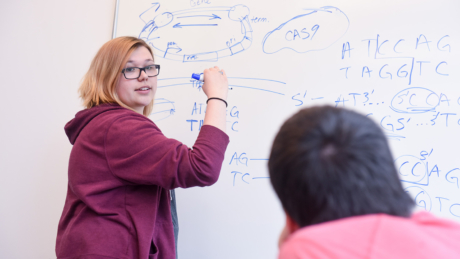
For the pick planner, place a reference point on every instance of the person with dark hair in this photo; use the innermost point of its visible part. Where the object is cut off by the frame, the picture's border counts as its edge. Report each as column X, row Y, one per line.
column 334, row 174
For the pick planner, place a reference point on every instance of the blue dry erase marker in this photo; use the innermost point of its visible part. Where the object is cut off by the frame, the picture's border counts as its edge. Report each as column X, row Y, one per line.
column 200, row 77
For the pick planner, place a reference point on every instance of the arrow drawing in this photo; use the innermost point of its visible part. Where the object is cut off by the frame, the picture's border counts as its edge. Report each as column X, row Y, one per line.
column 212, row 17
column 182, row 25
column 153, row 5
column 170, row 49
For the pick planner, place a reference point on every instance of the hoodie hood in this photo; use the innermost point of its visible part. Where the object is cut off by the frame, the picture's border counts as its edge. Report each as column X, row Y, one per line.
column 82, row 118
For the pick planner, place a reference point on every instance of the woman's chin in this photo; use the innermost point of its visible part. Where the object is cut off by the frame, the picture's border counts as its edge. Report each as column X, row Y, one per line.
column 145, row 101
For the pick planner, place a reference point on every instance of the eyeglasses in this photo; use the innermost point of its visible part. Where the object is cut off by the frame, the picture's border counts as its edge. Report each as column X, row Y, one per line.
column 135, row 72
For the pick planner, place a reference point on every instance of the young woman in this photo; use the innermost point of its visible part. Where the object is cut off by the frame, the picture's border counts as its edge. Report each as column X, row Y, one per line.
column 122, row 167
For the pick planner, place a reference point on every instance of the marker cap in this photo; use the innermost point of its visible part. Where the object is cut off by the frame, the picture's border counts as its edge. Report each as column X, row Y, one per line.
column 196, row 76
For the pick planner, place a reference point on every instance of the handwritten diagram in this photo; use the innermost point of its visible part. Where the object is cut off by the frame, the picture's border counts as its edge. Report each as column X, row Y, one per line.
column 415, row 100
column 397, row 59
column 418, row 174
column 396, row 64
column 162, row 109
column 165, row 108
column 179, row 35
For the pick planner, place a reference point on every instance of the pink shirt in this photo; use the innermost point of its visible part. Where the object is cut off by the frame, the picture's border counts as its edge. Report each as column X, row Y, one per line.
column 376, row 236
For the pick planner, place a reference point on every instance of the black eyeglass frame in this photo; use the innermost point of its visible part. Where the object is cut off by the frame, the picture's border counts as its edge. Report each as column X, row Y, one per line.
column 142, row 69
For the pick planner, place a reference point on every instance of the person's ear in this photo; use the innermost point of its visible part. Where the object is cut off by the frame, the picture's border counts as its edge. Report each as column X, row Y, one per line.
column 288, row 229
column 291, row 225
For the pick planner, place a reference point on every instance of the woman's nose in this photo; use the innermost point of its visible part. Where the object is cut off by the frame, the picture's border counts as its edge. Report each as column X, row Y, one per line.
column 143, row 76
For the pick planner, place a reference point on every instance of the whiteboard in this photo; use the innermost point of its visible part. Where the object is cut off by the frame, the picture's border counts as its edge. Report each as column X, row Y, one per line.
column 394, row 61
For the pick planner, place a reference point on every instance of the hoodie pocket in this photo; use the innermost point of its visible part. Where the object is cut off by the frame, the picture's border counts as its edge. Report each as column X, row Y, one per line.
column 153, row 254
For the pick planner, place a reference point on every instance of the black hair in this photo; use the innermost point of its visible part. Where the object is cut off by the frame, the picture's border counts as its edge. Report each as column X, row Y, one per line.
column 328, row 163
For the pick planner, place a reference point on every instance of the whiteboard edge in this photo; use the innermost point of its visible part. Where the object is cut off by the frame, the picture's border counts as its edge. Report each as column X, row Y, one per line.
column 115, row 19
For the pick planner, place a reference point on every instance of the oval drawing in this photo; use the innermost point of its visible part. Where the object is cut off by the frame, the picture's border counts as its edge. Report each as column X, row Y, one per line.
column 412, row 170
column 420, row 196
column 415, row 100
column 162, row 109
column 315, row 30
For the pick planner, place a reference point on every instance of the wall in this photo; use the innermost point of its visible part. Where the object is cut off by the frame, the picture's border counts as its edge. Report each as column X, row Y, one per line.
column 46, row 47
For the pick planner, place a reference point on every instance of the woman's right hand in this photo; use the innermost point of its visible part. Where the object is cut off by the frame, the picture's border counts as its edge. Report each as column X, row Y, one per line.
column 215, row 83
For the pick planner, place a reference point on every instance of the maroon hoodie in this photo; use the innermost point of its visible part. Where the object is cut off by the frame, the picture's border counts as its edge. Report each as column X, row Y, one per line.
column 120, row 170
